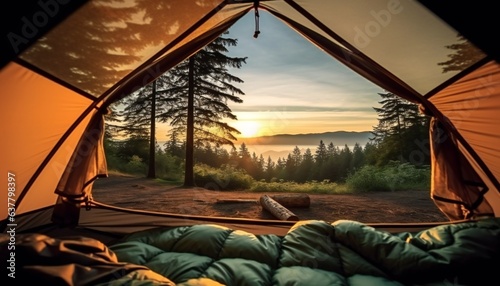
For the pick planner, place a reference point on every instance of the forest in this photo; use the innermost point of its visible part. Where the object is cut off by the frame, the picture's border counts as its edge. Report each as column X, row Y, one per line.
column 193, row 98
column 396, row 157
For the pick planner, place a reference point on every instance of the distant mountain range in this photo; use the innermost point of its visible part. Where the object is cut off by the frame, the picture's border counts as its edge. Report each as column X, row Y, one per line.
column 338, row 138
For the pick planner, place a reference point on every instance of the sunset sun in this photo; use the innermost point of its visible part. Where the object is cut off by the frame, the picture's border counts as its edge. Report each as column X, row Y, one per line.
column 248, row 128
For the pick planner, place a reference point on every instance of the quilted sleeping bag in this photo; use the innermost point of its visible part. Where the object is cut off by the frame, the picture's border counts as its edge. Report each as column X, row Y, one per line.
column 319, row 253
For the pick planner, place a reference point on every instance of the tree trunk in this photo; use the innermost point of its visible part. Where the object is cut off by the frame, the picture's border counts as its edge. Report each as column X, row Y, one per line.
column 152, row 136
column 188, row 172
column 277, row 209
column 293, row 200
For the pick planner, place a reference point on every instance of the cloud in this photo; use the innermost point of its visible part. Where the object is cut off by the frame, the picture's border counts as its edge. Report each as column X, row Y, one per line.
column 290, row 85
column 295, row 122
column 299, row 108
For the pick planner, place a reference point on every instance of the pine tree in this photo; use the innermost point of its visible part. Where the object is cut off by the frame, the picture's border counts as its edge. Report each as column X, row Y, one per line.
column 213, row 89
column 345, row 162
column 257, row 167
column 173, row 146
column 269, row 169
column 296, row 156
column 399, row 128
column 358, row 157
column 332, row 150
column 233, row 156
column 243, row 152
column 280, row 168
column 330, row 168
column 135, row 113
column 221, row 155
column 193, row 98
column 321, row 153
column 304, row 170
column 139, row 114
column 292, row 163
column 393, row 115
column 245, row 159
column 198, row 92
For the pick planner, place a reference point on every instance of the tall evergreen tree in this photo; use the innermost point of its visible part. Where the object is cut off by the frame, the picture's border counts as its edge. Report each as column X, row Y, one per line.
column 193, row 98
column 370, row 153
column 269, row 169
column 280, row 168
column 243, row 152
column 292, row 163
column 304, row 170
column 358, row 157
column 296, row 156
column 245, row 159
column 152, row 134
column 189, row 124
column 221, row 155
column 173, row 146
column 139, row 114
column 400, row 129
column 321, row 153
column 199, row 90
column 330, row 169
column 320, row 162
column 257, row 166
column 233, row 156
column 332, row 150
column 130, row 119
column 344, row 162
column 393, row 115
column 135, row 113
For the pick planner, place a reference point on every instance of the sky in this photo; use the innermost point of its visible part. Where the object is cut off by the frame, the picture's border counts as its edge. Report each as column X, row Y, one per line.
column 292, row 87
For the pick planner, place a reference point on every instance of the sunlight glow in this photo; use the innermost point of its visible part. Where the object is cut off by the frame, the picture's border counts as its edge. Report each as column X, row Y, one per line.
column 247, row 128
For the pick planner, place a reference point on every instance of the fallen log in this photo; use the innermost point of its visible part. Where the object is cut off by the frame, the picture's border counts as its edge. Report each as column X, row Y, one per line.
column 293, row 200
column 277, row 209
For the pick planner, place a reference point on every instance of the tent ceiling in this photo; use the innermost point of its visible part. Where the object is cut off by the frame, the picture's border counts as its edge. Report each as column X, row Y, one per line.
column 104, row 41
column 121, row 36
column 402, row 36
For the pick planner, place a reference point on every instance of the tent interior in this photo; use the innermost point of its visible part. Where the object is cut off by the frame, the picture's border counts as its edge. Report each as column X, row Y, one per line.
column 65, row 63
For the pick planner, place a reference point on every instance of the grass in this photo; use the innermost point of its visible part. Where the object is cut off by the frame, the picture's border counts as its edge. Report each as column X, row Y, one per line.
column 393, row 177
column 120, row 174
column 292, row 187
column 168, row 181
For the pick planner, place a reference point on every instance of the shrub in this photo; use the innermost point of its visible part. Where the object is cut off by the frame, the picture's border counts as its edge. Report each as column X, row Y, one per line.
column 308, row 187
column 169, row 167
column 135, row 166
column 393, row 177
column 115, row 163
column 225, row 178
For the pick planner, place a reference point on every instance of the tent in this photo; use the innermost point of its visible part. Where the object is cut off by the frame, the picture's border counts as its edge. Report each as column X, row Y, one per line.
column 64, row 63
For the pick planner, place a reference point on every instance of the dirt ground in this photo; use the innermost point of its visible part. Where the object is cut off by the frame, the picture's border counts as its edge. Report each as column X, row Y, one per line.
column 148, row 194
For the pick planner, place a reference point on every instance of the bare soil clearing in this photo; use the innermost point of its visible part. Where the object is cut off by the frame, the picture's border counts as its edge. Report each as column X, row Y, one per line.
column 148, row 194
